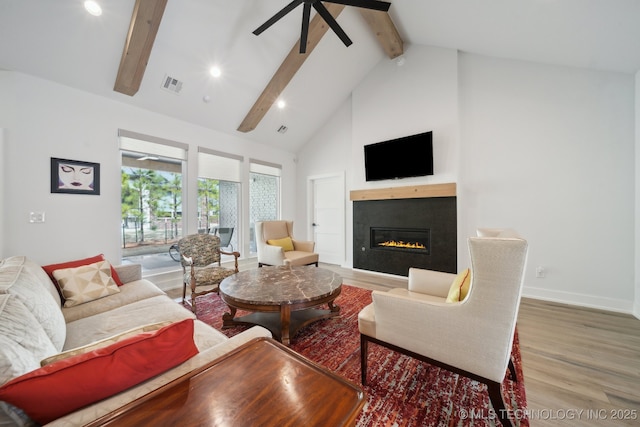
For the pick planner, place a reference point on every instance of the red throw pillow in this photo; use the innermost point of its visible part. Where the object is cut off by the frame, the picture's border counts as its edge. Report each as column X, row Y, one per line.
column 69, row 384
column 79, row 263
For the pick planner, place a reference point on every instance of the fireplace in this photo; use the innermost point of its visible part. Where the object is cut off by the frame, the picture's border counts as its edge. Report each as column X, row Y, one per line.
column 400, row 239
column 390, row 236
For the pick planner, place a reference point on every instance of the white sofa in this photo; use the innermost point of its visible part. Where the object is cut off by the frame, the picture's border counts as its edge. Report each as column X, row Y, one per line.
column 35, row 325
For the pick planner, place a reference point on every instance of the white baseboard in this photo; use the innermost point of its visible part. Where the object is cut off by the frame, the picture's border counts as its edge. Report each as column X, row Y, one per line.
column 582, row 300
column 636, row 308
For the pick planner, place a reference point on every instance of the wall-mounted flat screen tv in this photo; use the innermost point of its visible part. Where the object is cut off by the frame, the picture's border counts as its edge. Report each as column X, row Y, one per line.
column 405, row 157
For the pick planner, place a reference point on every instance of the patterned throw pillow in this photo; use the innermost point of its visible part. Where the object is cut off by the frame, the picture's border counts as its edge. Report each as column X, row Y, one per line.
column 86, row 283
column 49, row 269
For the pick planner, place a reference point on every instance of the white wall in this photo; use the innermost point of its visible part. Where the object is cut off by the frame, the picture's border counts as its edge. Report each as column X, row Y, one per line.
column 395, row 101
column 2, row 181
column 51, row 120
column 328, row 153
column 636, row 306
column 547, row 150
column 6, row 117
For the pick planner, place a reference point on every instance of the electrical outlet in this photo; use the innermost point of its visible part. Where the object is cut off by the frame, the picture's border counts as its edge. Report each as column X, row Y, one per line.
column 36, row 217
column 540, row 272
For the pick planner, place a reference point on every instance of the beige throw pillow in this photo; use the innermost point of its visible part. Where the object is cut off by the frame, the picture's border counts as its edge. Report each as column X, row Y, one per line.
column 86, row 283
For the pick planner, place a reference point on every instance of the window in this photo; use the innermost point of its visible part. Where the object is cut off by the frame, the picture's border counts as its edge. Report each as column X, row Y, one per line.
column 151, row 199
column 219, row 176
column 264, row 194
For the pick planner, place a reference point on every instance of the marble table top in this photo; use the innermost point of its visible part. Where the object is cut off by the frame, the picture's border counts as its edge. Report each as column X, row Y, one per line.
column 281, row 285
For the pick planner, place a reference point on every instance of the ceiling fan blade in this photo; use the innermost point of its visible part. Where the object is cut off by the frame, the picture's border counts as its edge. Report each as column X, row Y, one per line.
column 275, row 18
column 366, row 4
column 306, row 13
column 319, row 7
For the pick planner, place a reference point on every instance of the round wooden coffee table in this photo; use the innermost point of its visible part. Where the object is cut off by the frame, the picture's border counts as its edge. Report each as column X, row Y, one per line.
column 282, row 299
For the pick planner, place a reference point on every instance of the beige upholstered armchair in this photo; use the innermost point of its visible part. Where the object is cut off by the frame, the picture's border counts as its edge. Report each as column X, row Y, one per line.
column 472, row 337
column 201, row 267
column 277, row 246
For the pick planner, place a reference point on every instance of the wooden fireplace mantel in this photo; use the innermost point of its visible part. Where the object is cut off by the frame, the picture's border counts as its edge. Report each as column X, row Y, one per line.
column 409, row 192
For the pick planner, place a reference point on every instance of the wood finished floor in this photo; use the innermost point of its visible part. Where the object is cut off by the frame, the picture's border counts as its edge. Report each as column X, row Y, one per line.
column 581, row 366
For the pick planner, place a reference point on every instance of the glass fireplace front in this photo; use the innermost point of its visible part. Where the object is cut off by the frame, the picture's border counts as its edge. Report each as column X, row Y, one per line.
column 401, row 239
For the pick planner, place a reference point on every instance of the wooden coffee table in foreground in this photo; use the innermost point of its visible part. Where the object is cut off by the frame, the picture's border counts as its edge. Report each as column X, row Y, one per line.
column 282, row 299
column 261, row 383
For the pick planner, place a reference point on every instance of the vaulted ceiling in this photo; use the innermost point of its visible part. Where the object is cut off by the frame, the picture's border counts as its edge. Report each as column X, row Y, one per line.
column 59, row 41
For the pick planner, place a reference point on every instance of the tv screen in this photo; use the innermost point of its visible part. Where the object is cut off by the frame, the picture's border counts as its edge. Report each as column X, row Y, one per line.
column 404, row 157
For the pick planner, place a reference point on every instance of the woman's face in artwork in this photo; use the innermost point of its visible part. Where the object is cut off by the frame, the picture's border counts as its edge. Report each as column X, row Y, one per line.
column 76, row 177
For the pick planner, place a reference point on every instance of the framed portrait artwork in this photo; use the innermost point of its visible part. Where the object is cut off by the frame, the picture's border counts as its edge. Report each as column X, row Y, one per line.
column 73, row 176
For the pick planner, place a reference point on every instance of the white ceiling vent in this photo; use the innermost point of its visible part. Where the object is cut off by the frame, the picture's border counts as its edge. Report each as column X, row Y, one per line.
column 171, row 84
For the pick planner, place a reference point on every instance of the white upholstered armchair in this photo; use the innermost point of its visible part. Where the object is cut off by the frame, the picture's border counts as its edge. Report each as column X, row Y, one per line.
column 472, row 337
column 277, row 246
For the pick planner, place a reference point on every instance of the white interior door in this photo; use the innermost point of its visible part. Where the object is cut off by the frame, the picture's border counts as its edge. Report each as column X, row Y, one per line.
column 327, row 210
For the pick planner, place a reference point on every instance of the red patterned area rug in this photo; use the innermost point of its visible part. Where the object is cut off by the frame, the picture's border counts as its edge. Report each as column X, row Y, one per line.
column 401, row 391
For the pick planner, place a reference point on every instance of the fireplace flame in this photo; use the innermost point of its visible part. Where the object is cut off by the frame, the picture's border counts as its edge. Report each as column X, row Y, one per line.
column 401, row 244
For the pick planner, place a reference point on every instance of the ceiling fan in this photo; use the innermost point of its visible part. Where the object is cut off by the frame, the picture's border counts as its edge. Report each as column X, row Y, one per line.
column 324, row 13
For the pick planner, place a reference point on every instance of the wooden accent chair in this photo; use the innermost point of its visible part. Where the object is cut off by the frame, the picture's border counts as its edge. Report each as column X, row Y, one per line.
column 472, row 337
column 277, row 246
column 201, row 267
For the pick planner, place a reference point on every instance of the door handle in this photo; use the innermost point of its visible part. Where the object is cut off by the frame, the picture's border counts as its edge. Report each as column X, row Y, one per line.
column 314, row 224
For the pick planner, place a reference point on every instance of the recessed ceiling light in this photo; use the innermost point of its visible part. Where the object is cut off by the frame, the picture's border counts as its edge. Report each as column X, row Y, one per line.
column 215, row 71
column 281, row 104
column 93, row 7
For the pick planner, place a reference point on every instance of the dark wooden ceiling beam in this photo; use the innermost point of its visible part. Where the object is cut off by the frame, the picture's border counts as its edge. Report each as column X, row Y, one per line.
column 289, row 67
column 385, row 31
column 145, row 22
